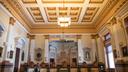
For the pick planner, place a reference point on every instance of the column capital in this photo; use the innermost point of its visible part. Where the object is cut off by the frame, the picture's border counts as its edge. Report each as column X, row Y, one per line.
column 120, row 22
column 12, row 21
column 94, row 36
column 78, row 36
column 114, row 20
column 30, row 36
column 46, row 36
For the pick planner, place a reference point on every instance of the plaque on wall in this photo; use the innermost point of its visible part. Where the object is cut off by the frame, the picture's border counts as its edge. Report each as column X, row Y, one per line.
column 38, row 54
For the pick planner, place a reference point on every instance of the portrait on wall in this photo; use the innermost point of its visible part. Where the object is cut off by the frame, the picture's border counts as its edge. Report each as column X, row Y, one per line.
column 1, row 49
column 38, row 54
column 115, row 53
column 124, row 51
column 87, row 54
column 11, row 54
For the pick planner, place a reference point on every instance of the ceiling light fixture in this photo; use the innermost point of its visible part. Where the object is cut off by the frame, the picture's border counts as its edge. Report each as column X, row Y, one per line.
column 64, row 21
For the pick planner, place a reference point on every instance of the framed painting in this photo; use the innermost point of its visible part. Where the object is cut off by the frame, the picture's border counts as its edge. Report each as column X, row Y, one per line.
column 124, row 51
column 115, row 53
column 1, row 50
column 11, row 54
column 38, row 54
column 87, row 54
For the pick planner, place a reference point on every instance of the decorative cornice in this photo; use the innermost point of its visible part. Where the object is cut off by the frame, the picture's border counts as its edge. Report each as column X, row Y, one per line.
column 113, row 21
column 30, row 36
column 54, row 31
column 109, row 13
column 94, row 36
column 78, row 36
column 11, row 10
column 46, row 36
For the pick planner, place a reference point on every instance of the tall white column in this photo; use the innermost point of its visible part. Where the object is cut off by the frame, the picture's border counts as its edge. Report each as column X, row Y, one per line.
column 8, row 37
column 80, row 50
column 94, row 51
column 26, row 50
column 98, row 49
column 46, row 49
column 31, row 48
column 101, row 53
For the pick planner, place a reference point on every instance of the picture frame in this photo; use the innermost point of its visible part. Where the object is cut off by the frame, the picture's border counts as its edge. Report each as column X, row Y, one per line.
column 115, row 53
column 1, row 51
column 87, row 54
column 38, row 54
column 11, row 54
column 124, row 51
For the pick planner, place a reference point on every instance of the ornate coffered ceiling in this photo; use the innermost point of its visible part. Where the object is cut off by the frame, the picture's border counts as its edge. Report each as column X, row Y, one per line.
column 43, row 14
column 39, row 12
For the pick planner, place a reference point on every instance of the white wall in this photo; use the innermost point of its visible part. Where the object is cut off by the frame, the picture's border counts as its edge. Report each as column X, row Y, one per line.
column 11, row 34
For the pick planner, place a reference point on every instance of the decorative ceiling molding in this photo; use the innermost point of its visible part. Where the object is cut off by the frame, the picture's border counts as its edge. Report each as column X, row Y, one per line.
column 60, row 30
column 47, row 11
column 37, row 15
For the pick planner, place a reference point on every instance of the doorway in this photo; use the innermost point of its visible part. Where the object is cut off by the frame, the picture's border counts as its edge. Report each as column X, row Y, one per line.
column 17, row 57
column 110, row 58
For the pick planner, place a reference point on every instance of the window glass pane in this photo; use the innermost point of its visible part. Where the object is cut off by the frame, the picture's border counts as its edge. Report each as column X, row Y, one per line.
column 110, row 57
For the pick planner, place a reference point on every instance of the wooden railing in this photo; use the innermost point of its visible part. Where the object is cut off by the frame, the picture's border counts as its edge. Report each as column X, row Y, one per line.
column 6, row 66
column 66, row 70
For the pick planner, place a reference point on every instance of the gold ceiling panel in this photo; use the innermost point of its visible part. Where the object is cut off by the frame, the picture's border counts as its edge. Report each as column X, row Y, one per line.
column 73, row 13
column 65, row 1
column 87, row 18
column 51, row 8
column 96, row 1
column 51, row 13
column 52, row 19
column 36, row 14
column 75, row 8
column 63, row 8
column 47, row 11
column 54, row 12
column 74, row 19
column 89, row 14
column 63, row 14
column 29, row 1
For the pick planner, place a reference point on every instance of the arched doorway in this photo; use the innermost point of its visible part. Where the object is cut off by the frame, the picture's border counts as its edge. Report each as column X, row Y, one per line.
column 20, row 43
